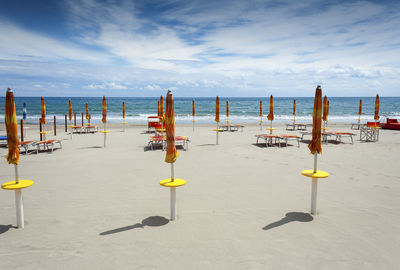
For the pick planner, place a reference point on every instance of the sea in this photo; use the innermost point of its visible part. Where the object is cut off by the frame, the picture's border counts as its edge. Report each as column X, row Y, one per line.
column 242, row 109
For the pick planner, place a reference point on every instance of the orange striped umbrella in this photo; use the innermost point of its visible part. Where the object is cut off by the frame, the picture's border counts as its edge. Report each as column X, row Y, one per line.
column 217, row 110
column 172, row 153
column 270, row 116
column 294, row 107
column 43, row 109
column 360, row 108
column 315, row 144
column 227, row 108
column 376, row 116
column 123, row 110
column 261, row 111
column 87, row 111
column 10, row 119
column 325, row 109
column 70, row 110
column 193, row 108
column 104, row 120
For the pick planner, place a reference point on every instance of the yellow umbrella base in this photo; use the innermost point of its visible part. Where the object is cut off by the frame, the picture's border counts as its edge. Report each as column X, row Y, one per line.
column 318, row 174
column 219, row 129
column 104, row 131
column 176, row 183
column 12, row 185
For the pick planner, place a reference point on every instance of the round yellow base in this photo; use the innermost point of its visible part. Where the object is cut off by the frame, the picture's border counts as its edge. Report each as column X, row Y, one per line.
column 318, row 174
column 218, row 129
column 270, row 129
column 104, row 131
column 176, row 183
column 124, row 123
column 12, row 185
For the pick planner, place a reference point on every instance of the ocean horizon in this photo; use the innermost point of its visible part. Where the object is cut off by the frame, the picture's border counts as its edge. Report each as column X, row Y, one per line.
column 242, row 109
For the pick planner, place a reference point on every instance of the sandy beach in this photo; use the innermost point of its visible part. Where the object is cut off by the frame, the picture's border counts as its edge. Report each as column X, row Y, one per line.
column 244, row 206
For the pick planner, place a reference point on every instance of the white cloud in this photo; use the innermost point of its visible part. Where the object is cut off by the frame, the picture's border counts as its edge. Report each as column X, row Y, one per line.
column 202, row 47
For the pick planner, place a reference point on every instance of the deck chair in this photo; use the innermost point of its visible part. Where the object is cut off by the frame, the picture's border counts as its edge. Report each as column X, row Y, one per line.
column 27, row 144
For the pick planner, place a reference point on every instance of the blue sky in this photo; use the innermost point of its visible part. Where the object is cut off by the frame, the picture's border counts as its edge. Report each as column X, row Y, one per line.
column 200, row 47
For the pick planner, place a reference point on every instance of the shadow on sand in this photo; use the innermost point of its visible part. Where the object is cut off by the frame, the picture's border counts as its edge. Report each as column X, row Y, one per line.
column 290, row 217
column 153, row 221
column 5, row 228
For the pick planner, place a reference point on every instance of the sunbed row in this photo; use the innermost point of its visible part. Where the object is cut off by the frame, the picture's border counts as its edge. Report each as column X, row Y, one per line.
column 36, row 145
column 162, row 141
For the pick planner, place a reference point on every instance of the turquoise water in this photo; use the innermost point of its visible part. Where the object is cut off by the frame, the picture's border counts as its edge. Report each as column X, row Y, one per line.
column 243, row 110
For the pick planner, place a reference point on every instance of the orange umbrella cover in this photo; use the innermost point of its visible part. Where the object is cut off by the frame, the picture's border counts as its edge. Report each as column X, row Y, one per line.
column 87, row 111
column 227, row 108
column 270, row 116
column 172, row 153
column 70, row 110
column 376, row 116
column 10, row 118
column 360, row 108
column 193, row 108
column 325, row 109
column 315, row 144
column 123, row 110
column 104, row 120
column 294, row 107
column 43, row 109
column 217, row 110
column 162, row 106
column 261, row 108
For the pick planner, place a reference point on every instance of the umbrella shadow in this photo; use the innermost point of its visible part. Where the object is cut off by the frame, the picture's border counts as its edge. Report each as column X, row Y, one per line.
column 5, row 228
column 90, row 147
column 153, row 221
column 290, row 217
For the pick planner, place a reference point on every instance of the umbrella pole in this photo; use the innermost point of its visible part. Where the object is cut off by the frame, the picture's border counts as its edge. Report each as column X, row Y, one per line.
column 270, row 130
column 217, row 133
column 20, row 208
column 260, row 122
column 193, row 123
column 314, row 188
column 173, row 195
column 18, row 201
column 70, row 128
column 124, row 124
column 359, row 118
column 105, row 136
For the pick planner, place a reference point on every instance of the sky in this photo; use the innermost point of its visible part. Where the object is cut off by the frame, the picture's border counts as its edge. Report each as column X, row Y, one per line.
column 200, row 48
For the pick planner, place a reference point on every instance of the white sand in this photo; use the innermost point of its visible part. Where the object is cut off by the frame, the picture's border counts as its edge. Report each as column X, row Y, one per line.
column 96, row 208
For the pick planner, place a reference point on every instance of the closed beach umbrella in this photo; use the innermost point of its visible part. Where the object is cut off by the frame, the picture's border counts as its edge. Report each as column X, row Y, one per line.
column 315, row 144
column 270, row 116
column 227, row 111
column 261, row 114
column 376, row 116
column 70, row 110
column 104, row 119
column 24, row 112
column 172, row 153
column 193, row 112
column 193, row 108
column 217, row 110
column 123, row 110
column 316, row 148
column 87, row 111
column 325, row 109
column 43, row 110
column 162, row 106
column 359, row 111
column 10, row 119
column 294, row 112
